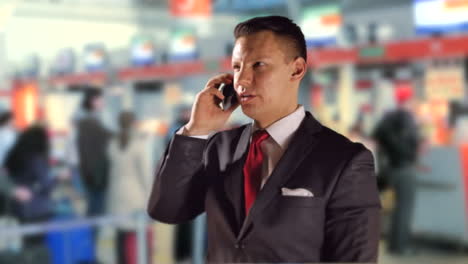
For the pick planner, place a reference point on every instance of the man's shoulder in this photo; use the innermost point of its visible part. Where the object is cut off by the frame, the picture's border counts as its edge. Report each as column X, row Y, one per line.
column 336, row 142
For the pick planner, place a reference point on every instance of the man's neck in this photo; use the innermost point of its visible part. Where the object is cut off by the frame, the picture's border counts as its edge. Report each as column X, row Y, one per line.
column 262, row 124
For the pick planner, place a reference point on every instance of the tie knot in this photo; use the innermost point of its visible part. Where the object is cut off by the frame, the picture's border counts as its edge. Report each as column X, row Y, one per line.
column 259, row 136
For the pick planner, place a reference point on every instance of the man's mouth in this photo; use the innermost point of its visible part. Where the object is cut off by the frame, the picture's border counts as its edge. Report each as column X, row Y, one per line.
column 246, row 97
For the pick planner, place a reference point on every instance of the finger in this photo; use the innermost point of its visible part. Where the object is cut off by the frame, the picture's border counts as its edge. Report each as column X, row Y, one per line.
column 216, row 81
column 225, row 75
column 214, row 91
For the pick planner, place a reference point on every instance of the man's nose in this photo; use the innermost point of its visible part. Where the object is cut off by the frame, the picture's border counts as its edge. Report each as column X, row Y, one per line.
column 240, row 88
column 243, row 79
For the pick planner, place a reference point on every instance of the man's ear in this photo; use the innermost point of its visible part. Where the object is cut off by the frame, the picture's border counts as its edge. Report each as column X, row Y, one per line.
column 299, row 69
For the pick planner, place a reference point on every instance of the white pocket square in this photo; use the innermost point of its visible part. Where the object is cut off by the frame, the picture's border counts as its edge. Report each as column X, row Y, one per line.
column 296, row 192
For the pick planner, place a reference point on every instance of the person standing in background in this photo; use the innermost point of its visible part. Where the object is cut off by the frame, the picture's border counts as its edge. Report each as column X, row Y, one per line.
column 92, row 141
column 129, row 182
column 398, row 144
column 8, row 189
column 27, row 165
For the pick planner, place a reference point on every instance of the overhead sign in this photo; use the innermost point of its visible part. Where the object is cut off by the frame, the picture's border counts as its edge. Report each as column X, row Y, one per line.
column 142, row 51
column 321, row 24
column 372, row 52
column 95, row 57
column 190, row 7
column 438, row 16
column 182, row 45
column 64, row 62
column 444, row 83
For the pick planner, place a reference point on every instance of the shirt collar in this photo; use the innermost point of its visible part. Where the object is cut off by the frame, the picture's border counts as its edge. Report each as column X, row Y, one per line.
column 282, row 130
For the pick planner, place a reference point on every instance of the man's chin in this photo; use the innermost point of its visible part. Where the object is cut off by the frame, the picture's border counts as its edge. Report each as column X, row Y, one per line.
column 251, row 111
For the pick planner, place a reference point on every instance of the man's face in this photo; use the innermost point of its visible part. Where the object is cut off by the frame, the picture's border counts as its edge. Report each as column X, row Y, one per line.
column 98, row 103
column 262, row 77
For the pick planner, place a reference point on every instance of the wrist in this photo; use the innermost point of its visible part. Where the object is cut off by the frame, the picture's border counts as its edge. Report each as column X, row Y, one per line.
column 190, row 130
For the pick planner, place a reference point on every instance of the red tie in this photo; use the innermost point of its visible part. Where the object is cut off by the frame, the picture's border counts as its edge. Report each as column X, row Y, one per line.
column 253, row 169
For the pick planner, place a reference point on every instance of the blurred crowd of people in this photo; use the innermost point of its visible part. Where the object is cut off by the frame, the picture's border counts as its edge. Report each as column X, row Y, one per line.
column 112, row 173
column 108, row 169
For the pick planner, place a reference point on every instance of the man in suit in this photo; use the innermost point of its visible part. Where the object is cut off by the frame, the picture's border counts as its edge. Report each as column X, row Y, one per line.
column 282, row 189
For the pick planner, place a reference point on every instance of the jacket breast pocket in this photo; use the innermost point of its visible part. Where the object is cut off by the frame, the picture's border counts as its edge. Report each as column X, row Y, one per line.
column 299, row 201
column 300, row 219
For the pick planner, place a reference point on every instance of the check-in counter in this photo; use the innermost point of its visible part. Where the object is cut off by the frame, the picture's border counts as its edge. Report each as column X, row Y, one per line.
column 441, row 206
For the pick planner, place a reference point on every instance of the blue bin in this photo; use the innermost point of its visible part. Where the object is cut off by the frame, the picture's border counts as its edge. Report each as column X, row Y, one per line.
column 71, row 246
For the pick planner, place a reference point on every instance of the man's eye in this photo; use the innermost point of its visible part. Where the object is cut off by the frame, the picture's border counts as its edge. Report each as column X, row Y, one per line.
column 259, row 63
column 236, row 67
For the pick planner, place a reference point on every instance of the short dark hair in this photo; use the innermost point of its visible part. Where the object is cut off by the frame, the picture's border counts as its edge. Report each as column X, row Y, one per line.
column 33, row 142
column 279, row 25
column 91, row 92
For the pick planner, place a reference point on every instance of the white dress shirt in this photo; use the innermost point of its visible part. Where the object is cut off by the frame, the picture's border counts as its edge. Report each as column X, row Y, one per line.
column 281, row 133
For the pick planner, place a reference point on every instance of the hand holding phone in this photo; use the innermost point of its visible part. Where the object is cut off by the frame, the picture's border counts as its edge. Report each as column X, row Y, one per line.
column 230, row 96
column 212, row 108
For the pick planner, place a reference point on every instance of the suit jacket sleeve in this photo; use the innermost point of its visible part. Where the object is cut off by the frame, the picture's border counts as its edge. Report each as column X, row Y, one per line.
column 179, row 188
column 353, row 213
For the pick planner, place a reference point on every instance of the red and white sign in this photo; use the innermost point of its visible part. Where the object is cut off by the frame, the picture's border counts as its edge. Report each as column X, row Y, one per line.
column 445, row 83
column 190, row 7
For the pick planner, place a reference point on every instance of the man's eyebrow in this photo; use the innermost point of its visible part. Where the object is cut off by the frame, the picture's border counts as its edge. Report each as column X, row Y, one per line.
column 262, row 58
column 254, row 59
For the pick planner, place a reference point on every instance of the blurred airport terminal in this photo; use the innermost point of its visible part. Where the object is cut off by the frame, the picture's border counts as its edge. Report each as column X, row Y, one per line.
column 91, row 91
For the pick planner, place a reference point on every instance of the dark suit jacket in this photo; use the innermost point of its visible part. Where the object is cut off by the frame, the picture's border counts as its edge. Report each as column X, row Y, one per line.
column 339, row 224
column 92, row 140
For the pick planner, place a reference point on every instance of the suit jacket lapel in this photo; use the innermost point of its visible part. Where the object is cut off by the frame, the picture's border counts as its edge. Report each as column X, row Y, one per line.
column 234, row 183
column 300, row 146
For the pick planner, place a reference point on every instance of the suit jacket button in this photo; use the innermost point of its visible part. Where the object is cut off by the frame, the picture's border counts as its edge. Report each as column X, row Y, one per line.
column 236, row 245
column 242, row 245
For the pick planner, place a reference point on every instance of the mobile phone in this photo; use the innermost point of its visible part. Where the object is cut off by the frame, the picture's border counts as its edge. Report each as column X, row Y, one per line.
column 230, row 96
